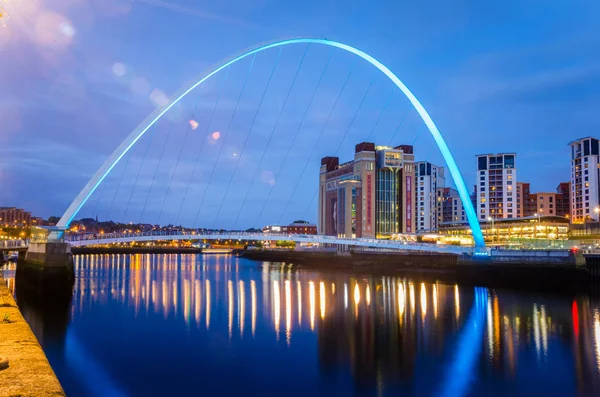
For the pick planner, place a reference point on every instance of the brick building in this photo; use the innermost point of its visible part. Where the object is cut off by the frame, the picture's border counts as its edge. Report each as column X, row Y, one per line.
column 15, row 217
column 372, row 195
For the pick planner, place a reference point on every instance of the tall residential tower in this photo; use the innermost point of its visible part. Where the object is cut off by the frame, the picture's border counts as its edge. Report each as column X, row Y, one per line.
column 429, row 179
column 585, row 179
column 496, row 186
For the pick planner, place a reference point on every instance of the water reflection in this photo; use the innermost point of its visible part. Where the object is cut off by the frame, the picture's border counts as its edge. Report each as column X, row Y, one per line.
column 371, row 334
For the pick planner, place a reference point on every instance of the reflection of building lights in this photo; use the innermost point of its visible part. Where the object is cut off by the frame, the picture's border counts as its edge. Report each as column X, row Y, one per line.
column 230, row 306
column 175, row 297
column 186, row 302
column 597, row 337
column 241, row 307
column 207, row 289
column 311, row 297
column 423, row 301
column 544, row 329
column 456, row 301
column 575, row 317
column 536, row 329
column 276, row 306
column 165, row 298
column 253, row 293
column 496, row 324
column 508, row 337
column 435, row 301
column 322, row 298
column 197, row 302
column 299, row 288
column 401, row 302
column 368, row 294
column 411, row 293
column 490, row 329
column 332, row 288
column 345, row 296
column 356, row 294
column 288, row 311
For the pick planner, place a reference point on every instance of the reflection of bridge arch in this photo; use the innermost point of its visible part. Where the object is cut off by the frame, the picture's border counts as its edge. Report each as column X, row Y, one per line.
column 141, row 129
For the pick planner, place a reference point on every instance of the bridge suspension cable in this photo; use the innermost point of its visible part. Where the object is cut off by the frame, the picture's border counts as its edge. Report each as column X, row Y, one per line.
column 208, row 125
column 137, row 133
column 262, row 98
column 212, row 172
column 318, row 140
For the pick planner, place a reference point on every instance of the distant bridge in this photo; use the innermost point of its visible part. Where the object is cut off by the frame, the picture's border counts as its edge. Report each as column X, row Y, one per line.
column 401, row 245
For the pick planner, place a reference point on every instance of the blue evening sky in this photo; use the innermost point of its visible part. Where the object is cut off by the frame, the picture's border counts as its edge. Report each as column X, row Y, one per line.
column 76, row 76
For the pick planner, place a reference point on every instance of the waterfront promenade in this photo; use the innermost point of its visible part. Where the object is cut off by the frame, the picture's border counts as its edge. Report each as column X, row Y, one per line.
column 29, row 373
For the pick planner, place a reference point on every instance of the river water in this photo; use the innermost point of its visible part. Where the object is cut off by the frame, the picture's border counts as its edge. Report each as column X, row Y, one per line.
column 142, row 325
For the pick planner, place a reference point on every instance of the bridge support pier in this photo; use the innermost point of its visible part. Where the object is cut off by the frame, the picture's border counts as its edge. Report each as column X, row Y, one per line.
column 51, row 254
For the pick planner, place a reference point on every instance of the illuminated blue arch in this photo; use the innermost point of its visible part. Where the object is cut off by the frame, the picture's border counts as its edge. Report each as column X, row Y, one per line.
column 141, row 129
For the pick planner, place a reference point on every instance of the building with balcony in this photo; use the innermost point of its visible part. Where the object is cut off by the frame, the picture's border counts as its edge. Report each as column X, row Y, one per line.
column 449, row 206
column 563, row 199
column 585, row 180
column 430, row 178
column 14, row 217
column 526, row 202
column 496, row 189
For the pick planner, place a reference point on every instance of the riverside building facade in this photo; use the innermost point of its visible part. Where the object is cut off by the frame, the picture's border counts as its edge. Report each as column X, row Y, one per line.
column 496, row 187
column 371, row 196
column 430, row 178
column 585, row 180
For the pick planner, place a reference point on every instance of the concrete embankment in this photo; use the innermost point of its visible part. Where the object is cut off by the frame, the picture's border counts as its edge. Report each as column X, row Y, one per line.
column 29, row 373
column 504, row 271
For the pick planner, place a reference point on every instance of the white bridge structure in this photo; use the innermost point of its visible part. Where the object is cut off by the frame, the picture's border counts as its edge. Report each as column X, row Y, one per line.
column 398, row 245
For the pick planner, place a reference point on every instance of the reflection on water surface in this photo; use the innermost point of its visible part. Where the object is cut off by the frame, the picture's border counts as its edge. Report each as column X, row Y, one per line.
column 220, row 325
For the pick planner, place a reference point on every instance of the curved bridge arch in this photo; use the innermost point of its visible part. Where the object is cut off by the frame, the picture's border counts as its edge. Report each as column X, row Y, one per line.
column 141, row 129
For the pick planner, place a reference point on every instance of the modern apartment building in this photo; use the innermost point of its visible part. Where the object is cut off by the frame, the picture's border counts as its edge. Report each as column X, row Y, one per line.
column 372, row 195
column 430, row 178
column 544, row 204
column 523, row 198
column 563, row 199
column 449, row 206
column 585, row 179
column 15, row 217
column 496, row 189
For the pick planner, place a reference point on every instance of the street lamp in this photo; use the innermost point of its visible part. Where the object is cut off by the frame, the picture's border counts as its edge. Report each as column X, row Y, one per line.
column 492, row 220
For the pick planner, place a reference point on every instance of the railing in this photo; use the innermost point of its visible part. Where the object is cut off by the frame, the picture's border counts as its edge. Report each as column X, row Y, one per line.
column 194, row 235
column 110, row 238
column 4, row 244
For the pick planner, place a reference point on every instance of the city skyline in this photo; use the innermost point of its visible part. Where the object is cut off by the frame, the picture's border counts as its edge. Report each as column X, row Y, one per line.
column 299, row 198
column 443, row 184
column 69, row 150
